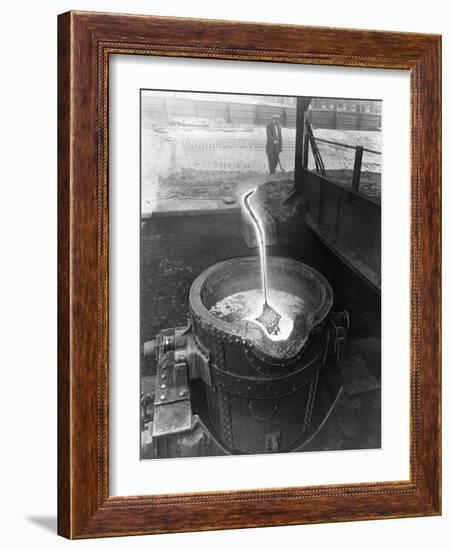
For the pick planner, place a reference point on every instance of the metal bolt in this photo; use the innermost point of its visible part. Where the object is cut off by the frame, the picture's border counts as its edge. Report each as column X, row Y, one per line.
column 163, row 386
column 182, row 392
column 162, row 397
column 163, row 376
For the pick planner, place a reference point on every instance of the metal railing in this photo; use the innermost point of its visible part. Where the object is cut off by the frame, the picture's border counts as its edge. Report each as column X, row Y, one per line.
column 311, row 141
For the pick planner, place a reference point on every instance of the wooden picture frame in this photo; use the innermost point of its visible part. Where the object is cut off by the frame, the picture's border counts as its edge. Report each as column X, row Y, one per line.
column 85, row 42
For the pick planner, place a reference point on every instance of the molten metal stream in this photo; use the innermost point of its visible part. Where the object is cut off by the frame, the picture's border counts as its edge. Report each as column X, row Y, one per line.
column 261, row 240
column 269, row 318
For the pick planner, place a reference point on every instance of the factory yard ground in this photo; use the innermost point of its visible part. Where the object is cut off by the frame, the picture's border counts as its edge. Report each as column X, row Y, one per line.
column 205, row 165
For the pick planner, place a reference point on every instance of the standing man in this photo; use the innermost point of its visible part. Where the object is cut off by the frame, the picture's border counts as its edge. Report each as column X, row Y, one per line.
column 273, row 142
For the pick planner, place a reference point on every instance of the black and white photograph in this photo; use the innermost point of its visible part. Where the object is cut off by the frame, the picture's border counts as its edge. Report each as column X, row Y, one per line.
column 260, row 274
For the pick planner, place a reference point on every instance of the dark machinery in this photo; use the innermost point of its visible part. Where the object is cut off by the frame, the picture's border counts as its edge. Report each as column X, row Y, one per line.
column 226, row 388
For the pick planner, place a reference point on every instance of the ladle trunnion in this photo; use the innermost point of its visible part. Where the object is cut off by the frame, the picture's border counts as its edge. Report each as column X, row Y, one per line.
column 226, row 387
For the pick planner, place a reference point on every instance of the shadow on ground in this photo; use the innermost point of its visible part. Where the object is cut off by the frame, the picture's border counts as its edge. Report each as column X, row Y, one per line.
column 48, row 523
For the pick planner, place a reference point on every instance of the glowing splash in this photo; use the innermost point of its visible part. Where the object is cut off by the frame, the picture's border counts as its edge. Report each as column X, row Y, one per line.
column 247, row 306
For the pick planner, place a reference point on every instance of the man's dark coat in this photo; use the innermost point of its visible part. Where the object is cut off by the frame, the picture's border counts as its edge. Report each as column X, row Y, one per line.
column 273, row 132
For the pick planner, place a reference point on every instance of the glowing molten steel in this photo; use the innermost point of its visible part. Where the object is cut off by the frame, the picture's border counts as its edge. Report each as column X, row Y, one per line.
column 272, row 321
column 248, row 305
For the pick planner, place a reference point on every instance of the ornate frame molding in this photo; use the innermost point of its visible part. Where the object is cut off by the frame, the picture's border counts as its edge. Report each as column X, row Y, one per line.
column 86, row 40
